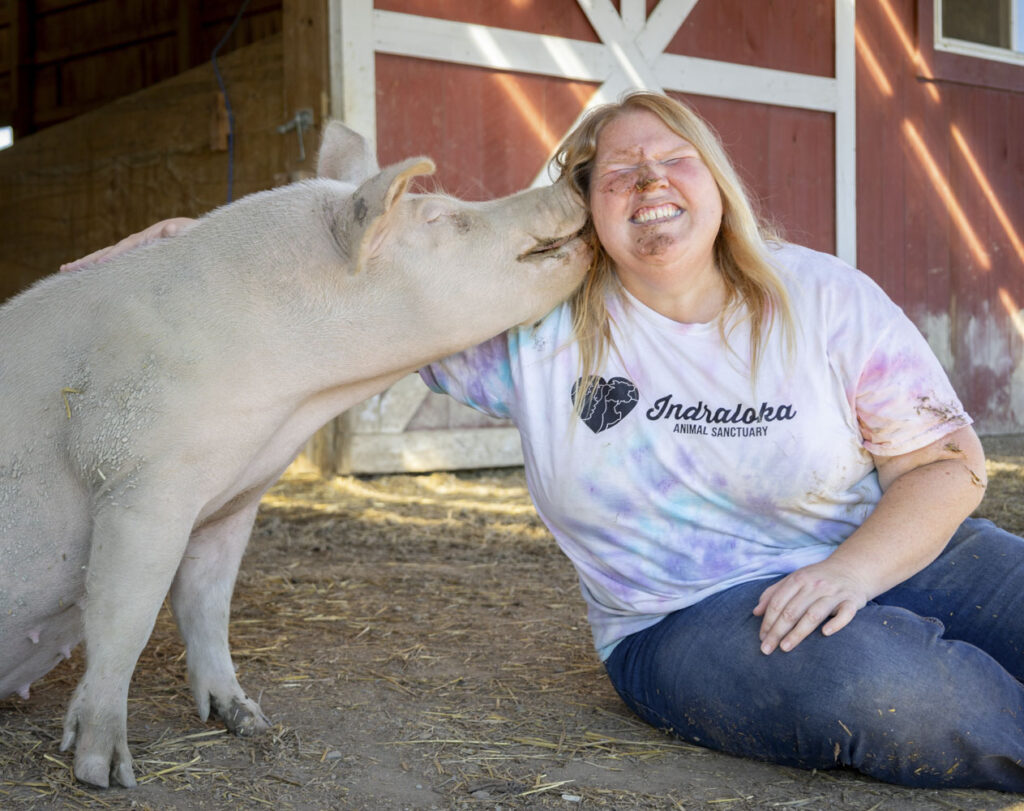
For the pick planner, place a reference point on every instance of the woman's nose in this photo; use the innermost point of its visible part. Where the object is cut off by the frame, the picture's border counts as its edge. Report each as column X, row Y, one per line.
column 648, row 175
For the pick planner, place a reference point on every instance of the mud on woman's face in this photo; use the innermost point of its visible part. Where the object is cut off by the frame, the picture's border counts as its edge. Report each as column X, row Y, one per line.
column 652, row 197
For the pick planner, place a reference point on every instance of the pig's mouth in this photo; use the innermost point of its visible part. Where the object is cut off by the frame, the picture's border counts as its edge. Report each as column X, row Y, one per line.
column 547, row 247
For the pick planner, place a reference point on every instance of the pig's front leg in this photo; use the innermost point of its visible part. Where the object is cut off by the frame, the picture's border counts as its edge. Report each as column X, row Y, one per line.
column 201, row 599
column 133, row 556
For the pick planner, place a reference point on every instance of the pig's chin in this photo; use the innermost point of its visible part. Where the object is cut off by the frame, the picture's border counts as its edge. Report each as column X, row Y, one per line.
column 572, row 255
column 560, row 272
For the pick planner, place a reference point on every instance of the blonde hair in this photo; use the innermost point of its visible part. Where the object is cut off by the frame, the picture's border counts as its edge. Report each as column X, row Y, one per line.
column 741, row 249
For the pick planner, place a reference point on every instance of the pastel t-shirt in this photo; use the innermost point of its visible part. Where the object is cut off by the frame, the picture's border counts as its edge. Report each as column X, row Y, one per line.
column 682, row 476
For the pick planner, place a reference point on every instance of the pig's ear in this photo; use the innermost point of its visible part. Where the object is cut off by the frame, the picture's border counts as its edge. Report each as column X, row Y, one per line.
column 369, row 213
column 345, row 155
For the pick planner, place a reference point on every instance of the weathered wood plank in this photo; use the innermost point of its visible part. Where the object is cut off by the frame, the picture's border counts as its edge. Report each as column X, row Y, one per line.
column 305, row 31
column 86, row 183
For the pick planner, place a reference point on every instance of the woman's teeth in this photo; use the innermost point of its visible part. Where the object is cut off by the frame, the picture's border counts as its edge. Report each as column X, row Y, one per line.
column 666, row 212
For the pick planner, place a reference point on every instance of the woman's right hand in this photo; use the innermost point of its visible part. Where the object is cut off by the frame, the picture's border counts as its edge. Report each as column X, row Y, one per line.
column 164, row 228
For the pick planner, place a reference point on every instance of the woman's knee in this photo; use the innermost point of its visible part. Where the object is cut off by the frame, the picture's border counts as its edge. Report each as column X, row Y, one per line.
column 886, row 695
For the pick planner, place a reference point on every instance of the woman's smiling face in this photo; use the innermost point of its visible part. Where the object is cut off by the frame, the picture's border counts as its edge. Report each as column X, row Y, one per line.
column 655, row 204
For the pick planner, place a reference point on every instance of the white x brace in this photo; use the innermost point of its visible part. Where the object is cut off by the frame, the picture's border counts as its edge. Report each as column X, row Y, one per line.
column 630, row 54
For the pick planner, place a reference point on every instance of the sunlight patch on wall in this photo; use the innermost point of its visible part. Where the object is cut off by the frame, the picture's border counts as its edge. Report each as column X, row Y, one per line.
column 990, row 195
column 872, row 64
column 913, row 54
column 946, row 194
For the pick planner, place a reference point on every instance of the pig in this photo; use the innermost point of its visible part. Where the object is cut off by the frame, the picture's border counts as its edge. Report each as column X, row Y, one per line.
column 148, row 402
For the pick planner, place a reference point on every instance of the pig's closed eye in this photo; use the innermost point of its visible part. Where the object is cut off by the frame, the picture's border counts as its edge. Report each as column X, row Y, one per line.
column 438, row 217
column 435, row 212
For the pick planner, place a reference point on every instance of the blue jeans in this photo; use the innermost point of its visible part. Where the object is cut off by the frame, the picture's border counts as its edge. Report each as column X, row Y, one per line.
column 923, row 688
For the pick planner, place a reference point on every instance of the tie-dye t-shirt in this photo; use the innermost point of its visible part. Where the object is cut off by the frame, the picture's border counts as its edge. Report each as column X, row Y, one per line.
column 682, row 477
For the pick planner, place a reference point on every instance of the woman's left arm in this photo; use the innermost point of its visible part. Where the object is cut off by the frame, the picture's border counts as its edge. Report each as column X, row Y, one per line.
column 927, row 493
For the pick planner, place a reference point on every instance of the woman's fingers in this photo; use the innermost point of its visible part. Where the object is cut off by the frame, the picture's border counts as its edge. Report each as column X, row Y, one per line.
column 795, row 606
column 809, row 619
column 159, row 230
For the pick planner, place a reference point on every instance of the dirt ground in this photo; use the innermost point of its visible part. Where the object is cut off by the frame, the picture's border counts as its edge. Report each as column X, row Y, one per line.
column 419, row 642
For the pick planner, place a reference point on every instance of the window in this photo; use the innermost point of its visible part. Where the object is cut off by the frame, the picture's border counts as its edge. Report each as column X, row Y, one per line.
column 6, row 137
column 987, row 29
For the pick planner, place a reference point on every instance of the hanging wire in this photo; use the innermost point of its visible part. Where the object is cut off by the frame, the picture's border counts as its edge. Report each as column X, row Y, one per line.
column 227, row 101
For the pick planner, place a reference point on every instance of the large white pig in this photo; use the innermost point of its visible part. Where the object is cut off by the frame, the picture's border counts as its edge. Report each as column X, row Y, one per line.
column 150, row 401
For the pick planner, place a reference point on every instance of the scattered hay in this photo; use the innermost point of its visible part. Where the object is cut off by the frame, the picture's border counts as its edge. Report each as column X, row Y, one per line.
column 420, row 642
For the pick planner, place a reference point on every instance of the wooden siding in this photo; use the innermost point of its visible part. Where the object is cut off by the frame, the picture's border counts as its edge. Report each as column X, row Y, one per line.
column 86, row 183
column 490, row 130
column 939, row 174
column 941, row 202
column 790, row 35
column 555, row 17
column 63, row 58
column 940, row 171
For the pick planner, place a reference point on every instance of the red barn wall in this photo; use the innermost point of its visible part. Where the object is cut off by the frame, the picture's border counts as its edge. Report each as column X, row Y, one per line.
column 940, row 164
column 940, row 197
column 489, row 131
column 928, row 228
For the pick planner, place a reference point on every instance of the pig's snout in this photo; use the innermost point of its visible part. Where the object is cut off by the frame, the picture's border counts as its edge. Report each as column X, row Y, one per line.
column 570, row 206
column 558, row 215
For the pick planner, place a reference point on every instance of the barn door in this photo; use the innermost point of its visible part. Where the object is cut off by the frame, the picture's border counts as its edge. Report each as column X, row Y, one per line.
column 489, row 89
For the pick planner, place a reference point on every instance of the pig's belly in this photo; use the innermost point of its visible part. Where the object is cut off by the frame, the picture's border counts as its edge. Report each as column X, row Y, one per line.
column 43, row 554
column 30, row 649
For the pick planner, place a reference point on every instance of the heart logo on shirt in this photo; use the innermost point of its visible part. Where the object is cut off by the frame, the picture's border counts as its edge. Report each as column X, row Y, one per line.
column 605, row 402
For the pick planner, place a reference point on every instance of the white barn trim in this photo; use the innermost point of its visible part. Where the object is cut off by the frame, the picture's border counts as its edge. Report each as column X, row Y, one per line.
column 631, row 54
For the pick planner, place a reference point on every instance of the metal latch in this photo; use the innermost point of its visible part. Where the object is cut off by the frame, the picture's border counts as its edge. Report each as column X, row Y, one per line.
column 302, row 120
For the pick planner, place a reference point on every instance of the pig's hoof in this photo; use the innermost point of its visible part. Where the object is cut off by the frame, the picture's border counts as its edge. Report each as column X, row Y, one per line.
column 243, row 717
column 101, row 749
column 97, row 770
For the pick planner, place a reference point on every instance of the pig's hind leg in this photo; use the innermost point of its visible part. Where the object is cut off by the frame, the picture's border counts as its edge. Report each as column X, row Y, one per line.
column 201, row 599
column 133, row 555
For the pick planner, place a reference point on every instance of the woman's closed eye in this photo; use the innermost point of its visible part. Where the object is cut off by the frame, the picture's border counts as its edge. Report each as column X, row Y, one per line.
column 618, row 171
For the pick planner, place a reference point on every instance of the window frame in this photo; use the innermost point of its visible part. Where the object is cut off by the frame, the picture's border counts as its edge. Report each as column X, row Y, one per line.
column 979, row 50
column 968, row 63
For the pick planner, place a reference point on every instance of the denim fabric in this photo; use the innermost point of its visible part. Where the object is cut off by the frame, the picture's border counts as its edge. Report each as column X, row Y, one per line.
column 920, row 689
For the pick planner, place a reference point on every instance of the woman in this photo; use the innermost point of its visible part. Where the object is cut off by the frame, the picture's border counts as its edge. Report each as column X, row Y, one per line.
column 762, row 476
column 738, row 442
